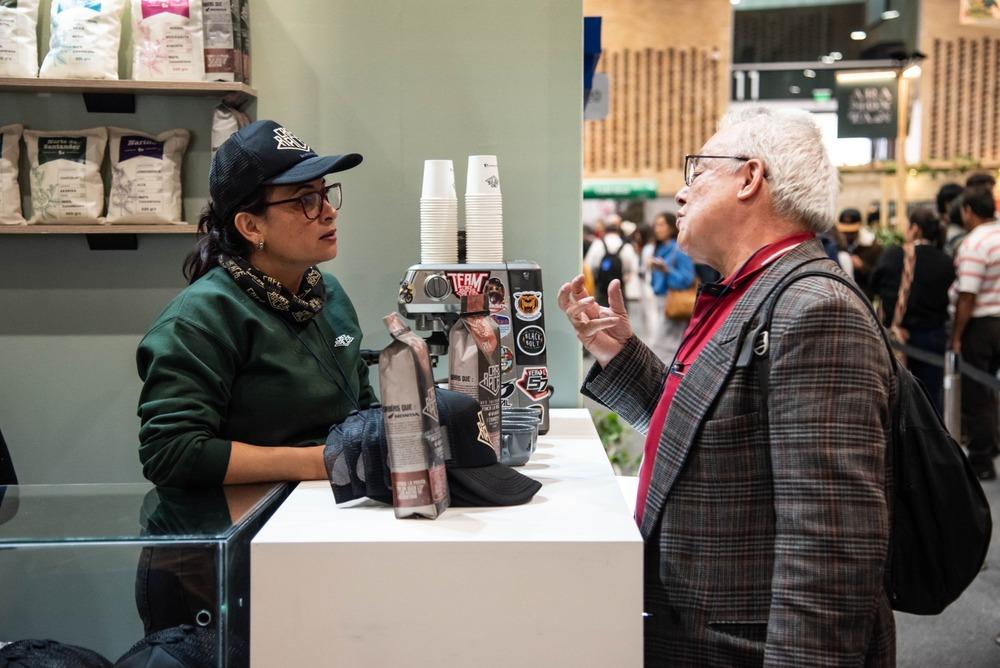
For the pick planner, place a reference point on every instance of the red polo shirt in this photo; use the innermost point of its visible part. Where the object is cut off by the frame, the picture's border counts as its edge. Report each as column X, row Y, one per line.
column 710, row 311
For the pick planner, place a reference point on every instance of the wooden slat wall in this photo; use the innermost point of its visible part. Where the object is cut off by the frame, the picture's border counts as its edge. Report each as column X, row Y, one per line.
column 962, row 109
column 664, row 103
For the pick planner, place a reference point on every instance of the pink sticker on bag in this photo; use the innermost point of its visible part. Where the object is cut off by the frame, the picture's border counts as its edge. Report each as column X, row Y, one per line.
column 154, row 7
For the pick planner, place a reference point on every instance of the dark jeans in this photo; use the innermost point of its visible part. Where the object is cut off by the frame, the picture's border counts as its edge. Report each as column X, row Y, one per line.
column 932, row 341
column 981, row 349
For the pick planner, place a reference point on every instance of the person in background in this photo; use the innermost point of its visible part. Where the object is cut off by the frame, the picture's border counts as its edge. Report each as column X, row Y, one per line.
column 588, row 237
column 611, row 258
column 766, row 533
column 670, row 269
column 946, row 194
column 981, row 180
column 862, row 247
column 926, row 311
column 955, row 221
column 247, row 368
column 976, row 331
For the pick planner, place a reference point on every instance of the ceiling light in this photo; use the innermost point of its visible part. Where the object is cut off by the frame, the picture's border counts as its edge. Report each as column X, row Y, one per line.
column 794, row 90
column 836, row 55
column 870, row 76
column 827, row 60
column 809, row 74
column 858, row 35
column 889, row 15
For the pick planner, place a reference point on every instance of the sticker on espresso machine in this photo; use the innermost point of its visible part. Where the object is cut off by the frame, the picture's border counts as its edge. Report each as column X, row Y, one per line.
column 506, row 359
column 531, row 340
column 503, row 322
column 465, row 283
column 528, row 305
column 534, row 382
column 496, row 294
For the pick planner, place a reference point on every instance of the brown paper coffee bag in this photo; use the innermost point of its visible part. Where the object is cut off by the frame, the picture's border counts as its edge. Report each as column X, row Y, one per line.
column 474, row 361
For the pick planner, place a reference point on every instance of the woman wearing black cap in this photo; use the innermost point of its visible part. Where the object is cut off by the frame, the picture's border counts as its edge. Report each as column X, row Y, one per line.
column 261, row 351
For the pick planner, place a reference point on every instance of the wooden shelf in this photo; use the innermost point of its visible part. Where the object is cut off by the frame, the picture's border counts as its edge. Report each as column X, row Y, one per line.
column 98, row 229
column 127, row 87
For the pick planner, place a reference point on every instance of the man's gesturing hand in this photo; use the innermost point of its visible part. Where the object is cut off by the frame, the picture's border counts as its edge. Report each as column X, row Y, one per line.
column 603, row 330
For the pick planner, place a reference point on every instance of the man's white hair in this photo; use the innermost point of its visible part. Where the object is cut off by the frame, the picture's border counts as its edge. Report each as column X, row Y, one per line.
column 803, row 181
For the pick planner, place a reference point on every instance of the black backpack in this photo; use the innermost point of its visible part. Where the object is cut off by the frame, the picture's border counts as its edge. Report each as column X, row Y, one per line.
column 609, row 269
column 941, row 522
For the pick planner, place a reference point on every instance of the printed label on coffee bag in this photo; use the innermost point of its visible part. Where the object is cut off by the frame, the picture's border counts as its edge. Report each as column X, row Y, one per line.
column 132, row 146
column 73, row 149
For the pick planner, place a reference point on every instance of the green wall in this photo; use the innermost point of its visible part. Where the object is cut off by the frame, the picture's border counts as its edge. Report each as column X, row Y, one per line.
column 396, row 80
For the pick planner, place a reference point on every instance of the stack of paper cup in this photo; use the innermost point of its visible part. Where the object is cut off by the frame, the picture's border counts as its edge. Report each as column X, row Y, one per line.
column 483, row 210
column 439, row 213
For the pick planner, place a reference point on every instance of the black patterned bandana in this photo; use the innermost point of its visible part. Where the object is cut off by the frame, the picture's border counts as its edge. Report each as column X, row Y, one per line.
column 297, row 308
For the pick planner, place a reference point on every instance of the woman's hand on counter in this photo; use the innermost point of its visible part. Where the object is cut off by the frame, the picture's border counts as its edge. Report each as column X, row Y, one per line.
column 603, row 330
column 257, row 463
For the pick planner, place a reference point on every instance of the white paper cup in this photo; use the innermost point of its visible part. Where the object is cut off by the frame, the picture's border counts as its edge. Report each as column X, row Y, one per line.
column 483, row 176
column 439, row 179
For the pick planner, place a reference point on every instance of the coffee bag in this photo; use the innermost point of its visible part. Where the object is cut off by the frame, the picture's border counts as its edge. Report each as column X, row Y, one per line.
column 18, row 44
column 146, row 176
column 66, row 185
column 10, row 193
column 414, row 434
column 474, row 361
column 168, row 40
column 84, row 39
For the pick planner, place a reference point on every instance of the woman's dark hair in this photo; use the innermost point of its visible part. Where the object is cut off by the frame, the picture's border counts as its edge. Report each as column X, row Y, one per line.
column 220, row 237
column 671, row 221
column 928, row 223
column 980, row 180
column 849, row 216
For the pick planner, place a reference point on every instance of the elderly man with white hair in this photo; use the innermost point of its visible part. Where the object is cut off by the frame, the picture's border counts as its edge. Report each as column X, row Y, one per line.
column 764, row 509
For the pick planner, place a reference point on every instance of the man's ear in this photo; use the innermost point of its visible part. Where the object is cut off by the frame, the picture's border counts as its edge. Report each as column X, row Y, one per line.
column 753, row 179
column 249, row 226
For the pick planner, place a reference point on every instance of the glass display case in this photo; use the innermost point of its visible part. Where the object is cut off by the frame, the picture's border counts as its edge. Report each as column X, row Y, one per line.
column 105, row 566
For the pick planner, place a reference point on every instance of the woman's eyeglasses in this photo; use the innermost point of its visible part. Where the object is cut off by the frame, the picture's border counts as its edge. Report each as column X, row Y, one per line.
column 312, row 202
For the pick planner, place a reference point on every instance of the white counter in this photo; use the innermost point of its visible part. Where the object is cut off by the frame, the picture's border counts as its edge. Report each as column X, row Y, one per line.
column 556, row 582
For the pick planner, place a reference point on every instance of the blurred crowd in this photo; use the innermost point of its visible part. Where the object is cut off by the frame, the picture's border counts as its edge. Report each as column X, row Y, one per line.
column 936, row 289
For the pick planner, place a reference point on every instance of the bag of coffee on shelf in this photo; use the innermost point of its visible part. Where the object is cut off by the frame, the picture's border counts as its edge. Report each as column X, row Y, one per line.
column 10, row 193
column 221, row 21
column 168, row 40
column 84, row 40
column 65, row 175
column 414, row 434
column 243, row 41
column 18, row 42
column 474, row 361
column 146, row 176
column 226, row 121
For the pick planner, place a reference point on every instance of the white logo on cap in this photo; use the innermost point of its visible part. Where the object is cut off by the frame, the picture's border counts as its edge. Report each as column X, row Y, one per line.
column 286, row 140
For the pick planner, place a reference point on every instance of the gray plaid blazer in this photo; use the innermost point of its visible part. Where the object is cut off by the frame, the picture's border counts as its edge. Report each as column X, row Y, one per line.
column 766, row 546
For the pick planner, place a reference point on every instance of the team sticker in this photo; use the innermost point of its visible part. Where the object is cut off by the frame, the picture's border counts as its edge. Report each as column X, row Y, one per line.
column 534, row 382
column 528, row 305
column 506, row 393
column 405, row 292
column 465, row 283
column 531, row 340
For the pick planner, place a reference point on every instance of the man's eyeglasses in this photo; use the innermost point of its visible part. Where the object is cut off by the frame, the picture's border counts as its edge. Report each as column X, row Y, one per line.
column 691, row 164
column 312, row 202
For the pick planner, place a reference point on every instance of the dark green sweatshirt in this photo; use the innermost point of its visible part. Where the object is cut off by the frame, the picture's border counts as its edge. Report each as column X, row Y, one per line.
column 218, row 366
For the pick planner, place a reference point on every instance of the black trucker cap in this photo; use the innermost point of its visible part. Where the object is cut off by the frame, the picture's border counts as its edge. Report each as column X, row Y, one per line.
column 475, row 477
column 265, row 153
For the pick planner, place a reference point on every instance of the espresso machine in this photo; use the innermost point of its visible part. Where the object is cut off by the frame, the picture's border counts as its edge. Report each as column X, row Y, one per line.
column 431, row 296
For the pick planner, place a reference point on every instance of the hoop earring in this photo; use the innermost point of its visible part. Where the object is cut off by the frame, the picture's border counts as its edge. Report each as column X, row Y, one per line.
column 260, row 244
